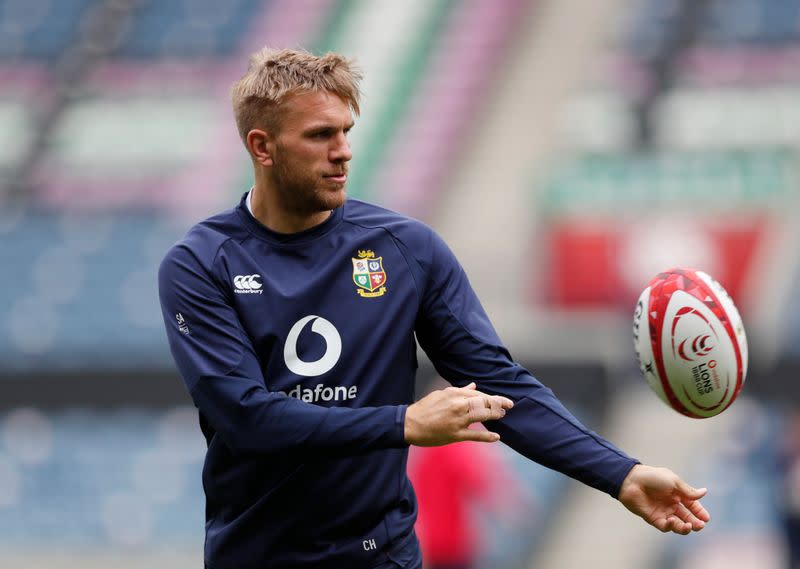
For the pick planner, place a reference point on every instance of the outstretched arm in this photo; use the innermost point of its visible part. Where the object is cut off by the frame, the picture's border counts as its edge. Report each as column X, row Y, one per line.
column 456, row 333
column 663, row 500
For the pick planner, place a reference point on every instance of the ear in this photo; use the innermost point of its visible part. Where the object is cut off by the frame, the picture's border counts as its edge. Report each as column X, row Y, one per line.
column 259, row 143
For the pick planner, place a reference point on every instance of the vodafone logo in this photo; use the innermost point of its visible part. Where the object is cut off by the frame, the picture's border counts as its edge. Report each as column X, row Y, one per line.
column 247, row 284
column 333, row 347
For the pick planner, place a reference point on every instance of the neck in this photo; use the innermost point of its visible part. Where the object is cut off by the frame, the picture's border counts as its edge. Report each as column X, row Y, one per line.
column 271, row 212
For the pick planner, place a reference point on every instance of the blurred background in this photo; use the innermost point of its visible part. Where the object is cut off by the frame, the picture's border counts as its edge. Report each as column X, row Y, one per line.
column 567, row 151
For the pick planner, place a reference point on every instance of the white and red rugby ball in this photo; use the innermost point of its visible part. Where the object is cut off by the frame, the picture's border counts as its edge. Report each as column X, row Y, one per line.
column 690, row 342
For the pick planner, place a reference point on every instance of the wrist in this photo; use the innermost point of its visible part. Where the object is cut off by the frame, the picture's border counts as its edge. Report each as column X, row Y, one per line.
column 401, row 429
column 629, row 481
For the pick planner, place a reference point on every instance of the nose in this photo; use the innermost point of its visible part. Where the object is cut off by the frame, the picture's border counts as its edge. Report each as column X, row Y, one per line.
column 340, row 149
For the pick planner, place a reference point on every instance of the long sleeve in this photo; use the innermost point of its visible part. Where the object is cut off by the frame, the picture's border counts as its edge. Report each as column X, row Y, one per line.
column 456, row 333
column 219, row 366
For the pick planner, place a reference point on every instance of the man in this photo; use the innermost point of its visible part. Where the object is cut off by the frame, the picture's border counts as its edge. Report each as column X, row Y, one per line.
column 292, row 319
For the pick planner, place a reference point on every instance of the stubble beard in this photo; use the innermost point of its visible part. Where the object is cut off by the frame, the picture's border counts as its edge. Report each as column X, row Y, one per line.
column 302, row 192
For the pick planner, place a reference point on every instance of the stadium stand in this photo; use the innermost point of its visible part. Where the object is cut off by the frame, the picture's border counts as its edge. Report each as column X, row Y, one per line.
column 84, row 477
column 81, row 295
column 748, row 498
column 187, row 29
column 39, row 29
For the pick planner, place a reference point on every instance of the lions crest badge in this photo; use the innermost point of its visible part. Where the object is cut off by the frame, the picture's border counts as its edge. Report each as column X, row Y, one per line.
column 368, row 274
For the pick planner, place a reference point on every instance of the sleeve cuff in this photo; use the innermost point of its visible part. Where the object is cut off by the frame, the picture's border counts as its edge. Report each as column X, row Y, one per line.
column 614, row 492
column 400, row 425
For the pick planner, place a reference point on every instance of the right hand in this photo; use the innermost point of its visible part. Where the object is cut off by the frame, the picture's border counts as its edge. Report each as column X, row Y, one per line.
column 444, row 416
column 663, row 500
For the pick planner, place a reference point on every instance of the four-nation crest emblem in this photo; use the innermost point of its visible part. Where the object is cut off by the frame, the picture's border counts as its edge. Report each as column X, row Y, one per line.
column 368, row 274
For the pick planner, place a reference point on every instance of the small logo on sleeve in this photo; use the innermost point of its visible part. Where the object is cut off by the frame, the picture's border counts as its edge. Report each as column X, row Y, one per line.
column 247, row 284
column 368, row 274
column 182, row 325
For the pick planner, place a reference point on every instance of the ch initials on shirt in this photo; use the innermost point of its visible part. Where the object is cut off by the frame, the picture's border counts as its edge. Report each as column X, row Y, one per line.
column 369, row 544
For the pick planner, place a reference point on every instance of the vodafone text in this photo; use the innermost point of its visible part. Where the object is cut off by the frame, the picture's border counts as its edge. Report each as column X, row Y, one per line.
column 323, row 393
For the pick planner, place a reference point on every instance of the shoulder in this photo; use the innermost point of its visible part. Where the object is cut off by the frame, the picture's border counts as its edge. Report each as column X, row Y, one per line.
column 202, row 242
column 412, row 232
column 424, row 250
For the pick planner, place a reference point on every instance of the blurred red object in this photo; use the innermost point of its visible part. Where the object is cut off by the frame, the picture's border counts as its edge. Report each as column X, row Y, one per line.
column 606, row 264
column 451, row 482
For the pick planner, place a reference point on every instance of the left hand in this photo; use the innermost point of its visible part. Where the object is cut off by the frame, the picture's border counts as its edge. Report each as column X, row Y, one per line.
column 663, row 500
column 444, row 416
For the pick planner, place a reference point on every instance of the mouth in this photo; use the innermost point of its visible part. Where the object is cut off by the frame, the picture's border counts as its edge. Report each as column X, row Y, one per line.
column 337, row 178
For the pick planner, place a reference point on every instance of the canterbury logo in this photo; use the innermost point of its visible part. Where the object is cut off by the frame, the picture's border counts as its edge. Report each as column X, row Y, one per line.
column 247, row 284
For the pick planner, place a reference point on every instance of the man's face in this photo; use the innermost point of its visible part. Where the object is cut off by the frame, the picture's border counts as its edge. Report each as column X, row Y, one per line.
column 311, row 152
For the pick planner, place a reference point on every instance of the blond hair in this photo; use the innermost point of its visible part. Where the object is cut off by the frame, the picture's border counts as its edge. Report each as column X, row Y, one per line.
column 273, row 75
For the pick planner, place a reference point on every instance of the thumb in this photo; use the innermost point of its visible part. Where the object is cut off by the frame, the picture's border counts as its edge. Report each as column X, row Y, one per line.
column 690, row 492
column 470, row 385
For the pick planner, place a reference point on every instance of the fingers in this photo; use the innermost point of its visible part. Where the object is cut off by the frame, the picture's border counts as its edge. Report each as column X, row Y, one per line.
column 472, row 391
column 676, row 525
column 491, row 401
column 687, row 516
column 689, row 500
column 481, row 407
column 689, row 492
column 478, row 435
column 698, row 510
column 501, row 402
column 682, row 521
column 672, row 524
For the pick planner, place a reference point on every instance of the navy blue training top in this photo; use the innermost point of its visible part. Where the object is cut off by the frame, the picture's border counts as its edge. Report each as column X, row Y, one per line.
column 299, row 352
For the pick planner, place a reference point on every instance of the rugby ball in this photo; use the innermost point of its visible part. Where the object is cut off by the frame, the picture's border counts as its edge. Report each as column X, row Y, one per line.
column 690, row 342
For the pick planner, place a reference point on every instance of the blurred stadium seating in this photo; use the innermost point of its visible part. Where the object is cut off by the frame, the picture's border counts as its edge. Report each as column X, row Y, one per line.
column 116, row 135
column 81, row 293
column 82, row 477
column 747, row 497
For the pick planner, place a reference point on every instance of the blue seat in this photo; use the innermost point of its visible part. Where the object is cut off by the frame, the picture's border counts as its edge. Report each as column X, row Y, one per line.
column 39, row 29
column 95, row 459
column 188, row 29
column 727, row 24
column 105, row 315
